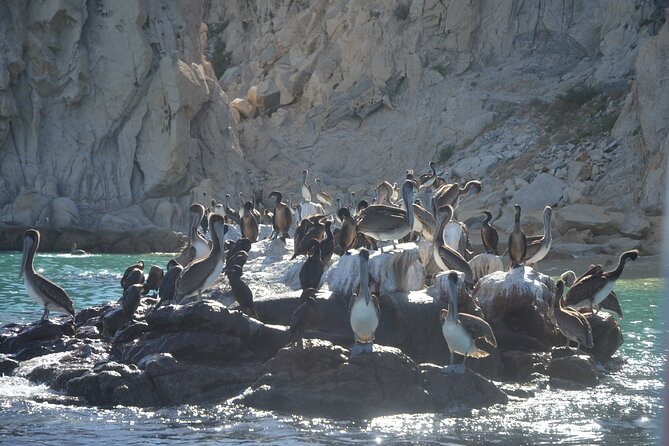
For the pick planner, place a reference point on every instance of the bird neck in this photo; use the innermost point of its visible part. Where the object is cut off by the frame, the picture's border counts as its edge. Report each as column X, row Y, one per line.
column 614, row 274
column 547, row 226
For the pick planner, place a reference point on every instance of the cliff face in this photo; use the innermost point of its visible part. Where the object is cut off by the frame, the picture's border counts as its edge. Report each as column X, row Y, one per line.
column 503, row 91
column 109, row 114
column 110, row 117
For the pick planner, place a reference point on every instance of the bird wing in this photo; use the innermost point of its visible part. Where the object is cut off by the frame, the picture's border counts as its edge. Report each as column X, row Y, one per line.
column 533, row 238
column 584, row 289
column 533, row 247
column 594, row 270
column 454, row 260
column 191, row 277
column 55, row 293
column 478, row 327
column 611, row 304
column 381, row 218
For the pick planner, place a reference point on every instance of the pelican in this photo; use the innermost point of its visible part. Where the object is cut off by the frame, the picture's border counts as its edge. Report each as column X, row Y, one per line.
column 446, row 257
column 39, row 287
column 591, row 289
column 306, row 190
column 240, row 204
column 424, row 222
column 324, row 197
column 427, row 179
column 537, row 249
column 489, row 234
column 384, row 191
column 383, row 222
column 196, row 240
column 572, row 324
column 231, row 214
column 201, row 273
column 460, row 330
column 450, row 194
column 517, row 241
column 364, row 311
column 282, row 216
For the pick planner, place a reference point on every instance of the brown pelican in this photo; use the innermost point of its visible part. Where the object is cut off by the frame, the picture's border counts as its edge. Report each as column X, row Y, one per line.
column 450, row 194
column 240, row 204
column 572, row 324
column 201, row 273
column 39, row 287
column 282, row 216
column 427, row 179
column 383, row 193
column 446, row 257
column 312, row 270
column 460, row 330
column 154, row 279
column 348, row 233
column 517, row 242
column 489, row 234
column 538, row 249
column 423, row 222
column 383, row 222
column 231, row 214
column 306, row 189
column 300, row 318
column 323, row 197
column 364, row 310
column 249, row 223
column 196, row 240
column 77, row 252
column 590, row 290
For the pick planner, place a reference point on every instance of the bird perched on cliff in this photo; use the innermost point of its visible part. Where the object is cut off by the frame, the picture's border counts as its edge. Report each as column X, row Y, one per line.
column 167, row 288
column 364, row 311
column 154, row 279
column 572, row 324
column 312, row 270
column 249, row 223
column 517, row 241
column 593, row 287
column 240, row 291
column 489, row 234
column 139, row 265
column 460, row 330
column 41, row 289
column 300, row 318
column 282, row 216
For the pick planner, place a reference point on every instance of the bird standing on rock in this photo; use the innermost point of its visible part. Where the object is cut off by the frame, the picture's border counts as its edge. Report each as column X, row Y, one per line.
column 517, row 241
column 364, row 311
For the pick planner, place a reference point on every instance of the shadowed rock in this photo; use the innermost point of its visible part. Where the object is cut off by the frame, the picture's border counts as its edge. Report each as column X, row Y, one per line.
column 580, row 369
column 606, row 334
column 469, row 390
column 37, row 339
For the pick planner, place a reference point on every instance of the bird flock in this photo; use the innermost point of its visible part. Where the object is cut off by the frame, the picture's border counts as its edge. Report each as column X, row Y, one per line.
column 324, row 228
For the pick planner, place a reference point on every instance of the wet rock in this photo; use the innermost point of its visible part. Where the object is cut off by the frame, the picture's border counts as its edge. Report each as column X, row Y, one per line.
column 607, row 336
column 84, row 316
column 112, row 319
column 317, row 378
column 130, row 332
column 7, row 365
column 516, row 305
column 111, row 387
column 38, row 339
column 580, row 369
column 468, row 389
column 519, row 366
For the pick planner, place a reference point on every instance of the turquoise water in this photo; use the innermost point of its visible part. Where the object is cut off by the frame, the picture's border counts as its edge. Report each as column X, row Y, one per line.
column 622, row 410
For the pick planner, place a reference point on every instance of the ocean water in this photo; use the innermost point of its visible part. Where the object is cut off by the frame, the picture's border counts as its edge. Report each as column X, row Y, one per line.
column 623, row 409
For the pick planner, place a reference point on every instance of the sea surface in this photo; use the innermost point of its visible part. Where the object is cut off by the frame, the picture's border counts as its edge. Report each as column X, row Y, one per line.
column 623, row 409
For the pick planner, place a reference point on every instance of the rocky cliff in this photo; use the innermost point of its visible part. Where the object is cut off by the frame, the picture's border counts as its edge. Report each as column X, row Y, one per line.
column 112, row 118
column 556, row 102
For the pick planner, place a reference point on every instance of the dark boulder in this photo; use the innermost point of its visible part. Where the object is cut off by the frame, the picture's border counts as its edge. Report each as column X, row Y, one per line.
column 37, row 339
column 606, row 334
column 519, row 366
column 579, row 369
column 317, row 378
column 455, row 390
